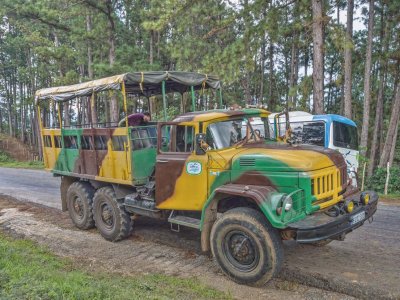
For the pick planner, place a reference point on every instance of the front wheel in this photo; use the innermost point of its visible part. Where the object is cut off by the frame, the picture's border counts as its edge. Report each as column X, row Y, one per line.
column 247, row 248
column 110, row 216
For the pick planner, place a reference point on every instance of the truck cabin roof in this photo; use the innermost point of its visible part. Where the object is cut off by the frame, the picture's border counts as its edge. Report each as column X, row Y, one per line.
column 138, row 83
column 202, row 116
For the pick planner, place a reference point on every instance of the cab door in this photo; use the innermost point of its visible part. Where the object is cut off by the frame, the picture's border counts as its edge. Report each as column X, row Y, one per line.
column 181, row 175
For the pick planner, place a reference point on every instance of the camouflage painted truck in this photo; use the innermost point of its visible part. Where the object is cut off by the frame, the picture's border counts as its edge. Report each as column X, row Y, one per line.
column 207, row 170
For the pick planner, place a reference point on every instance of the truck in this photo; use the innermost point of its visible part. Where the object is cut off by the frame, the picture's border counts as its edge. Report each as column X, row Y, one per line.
column 210, row 171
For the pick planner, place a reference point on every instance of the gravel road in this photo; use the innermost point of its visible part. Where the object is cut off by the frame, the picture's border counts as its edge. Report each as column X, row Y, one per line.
column 365, row 265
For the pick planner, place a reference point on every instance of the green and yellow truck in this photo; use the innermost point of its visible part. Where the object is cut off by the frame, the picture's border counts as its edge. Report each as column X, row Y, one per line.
column 207, row 170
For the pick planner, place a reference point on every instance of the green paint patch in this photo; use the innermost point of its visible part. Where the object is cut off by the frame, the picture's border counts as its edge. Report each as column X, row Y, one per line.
column 28, row 271
column 143, row 164
column 8, row 162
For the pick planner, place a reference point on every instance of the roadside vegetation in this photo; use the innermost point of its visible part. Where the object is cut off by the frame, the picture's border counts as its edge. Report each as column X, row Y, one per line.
column 7, row 161
column 378, row 179
column 28, row 271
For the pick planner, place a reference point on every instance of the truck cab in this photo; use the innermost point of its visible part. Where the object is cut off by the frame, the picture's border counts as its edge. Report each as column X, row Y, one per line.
column 216, row 163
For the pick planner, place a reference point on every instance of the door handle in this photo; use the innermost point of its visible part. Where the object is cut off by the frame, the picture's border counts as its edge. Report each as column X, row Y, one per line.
column 162, row 161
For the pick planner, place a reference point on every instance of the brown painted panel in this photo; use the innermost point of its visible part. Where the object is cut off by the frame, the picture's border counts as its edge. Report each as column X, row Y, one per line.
column 169, row 167
column 89, row 165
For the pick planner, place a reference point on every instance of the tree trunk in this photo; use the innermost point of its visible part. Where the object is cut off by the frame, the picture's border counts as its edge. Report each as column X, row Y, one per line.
column 348, row 60
column 367, row 72
column 271, row 99
column 10, row 112
column 379, row 102
column 318, row 57
column 262, row 63
column 391, row 130
column 22, row 111
column 114, row 107
column 89, row 46
column 246, row 86
column 293, row 71
column 1, row 121
column 92, row 101
column 14, row 107
column 393, row 150
column 151, row 47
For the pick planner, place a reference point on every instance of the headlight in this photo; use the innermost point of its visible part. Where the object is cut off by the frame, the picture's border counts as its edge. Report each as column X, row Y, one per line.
column 364, row 198
column 349, row 206
column 287, row 202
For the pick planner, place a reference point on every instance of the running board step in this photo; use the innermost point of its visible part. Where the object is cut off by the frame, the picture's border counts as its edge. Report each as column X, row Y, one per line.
column 183, row 221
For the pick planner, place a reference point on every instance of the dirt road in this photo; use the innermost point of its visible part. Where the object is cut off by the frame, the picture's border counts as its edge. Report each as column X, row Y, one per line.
column 365, row 265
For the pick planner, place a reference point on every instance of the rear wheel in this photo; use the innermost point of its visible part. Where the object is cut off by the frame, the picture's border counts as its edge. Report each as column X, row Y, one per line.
column 247, row 248
column 79, row 202
column 110, row 216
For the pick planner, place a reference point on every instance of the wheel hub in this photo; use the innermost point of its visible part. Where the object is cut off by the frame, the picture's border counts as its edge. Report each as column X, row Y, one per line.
column 78, row 206
column 107, row 215
column 241, row 250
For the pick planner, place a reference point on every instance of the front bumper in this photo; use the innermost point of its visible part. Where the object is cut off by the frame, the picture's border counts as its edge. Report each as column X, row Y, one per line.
column 320, row 226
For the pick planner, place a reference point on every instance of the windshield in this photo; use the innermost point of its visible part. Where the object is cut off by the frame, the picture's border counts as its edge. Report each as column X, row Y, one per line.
column 308, row 133
column 230, row 133
column 345, row 136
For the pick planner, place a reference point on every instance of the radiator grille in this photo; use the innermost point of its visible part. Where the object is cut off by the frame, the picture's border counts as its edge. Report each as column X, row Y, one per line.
column 327, row 186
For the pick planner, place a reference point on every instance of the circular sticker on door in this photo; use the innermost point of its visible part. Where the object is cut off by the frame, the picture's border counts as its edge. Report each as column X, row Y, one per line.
column 193, row 168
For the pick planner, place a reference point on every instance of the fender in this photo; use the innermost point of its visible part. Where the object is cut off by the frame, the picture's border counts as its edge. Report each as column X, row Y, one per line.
column 264, row 196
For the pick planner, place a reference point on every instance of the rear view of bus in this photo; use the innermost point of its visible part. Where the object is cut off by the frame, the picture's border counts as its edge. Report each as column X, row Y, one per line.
column 330, row 131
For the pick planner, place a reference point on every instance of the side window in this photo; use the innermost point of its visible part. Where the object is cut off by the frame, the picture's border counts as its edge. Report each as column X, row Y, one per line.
column 47, row 141
column 57, row 141
column 118, row 143
column 100, row 142
column 184, row 138
column 71, row 142
column 87, row 142
column 166, row 138
column 144, row 137
column 345, row 136
column 177, row 138
column 308, row 132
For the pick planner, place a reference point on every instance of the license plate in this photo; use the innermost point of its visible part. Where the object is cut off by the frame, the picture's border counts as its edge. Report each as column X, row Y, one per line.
column 357, row 218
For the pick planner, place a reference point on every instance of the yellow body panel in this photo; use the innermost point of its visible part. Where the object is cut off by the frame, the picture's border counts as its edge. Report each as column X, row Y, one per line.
column 190, row 192
column 50, row 154
column 115, row 166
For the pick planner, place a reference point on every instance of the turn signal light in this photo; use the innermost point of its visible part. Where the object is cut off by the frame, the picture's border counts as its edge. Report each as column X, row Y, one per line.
column 364, row 199
column 349, row 206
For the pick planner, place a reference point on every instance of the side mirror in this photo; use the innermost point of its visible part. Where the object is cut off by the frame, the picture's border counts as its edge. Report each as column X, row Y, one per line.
column 200, row 137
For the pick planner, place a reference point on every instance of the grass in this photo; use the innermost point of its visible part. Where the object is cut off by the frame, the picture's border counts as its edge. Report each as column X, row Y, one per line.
column 28, row 271
column 7, row 161
column 393, row 197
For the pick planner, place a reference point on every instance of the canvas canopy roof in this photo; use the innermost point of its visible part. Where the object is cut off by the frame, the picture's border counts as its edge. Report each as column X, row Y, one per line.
column 138, row 83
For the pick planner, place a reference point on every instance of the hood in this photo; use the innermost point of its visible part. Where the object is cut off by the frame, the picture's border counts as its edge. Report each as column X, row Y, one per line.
column 284, row 158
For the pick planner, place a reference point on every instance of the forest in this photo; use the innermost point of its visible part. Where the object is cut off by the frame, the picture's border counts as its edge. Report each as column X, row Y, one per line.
column 331, row 56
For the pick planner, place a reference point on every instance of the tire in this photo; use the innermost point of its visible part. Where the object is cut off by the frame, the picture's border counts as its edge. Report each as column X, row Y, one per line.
column 321, row 243
column 249, row 227
column 79, row 200
column 110, row 216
